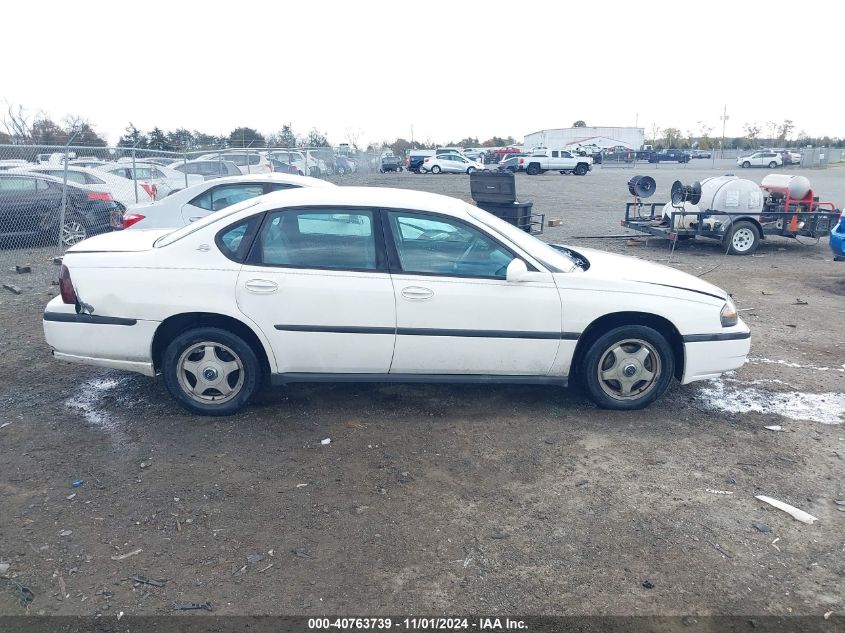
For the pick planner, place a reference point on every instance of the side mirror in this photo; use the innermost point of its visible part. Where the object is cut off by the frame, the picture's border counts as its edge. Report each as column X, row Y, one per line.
column 517, row 271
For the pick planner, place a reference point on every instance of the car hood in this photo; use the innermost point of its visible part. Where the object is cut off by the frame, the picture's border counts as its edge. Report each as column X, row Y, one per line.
column 624, row 268
column 120, row 241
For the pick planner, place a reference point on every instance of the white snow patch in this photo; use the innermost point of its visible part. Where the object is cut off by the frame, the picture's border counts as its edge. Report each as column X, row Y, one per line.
column 786, row 363
column 89, row 400
column 733, row 397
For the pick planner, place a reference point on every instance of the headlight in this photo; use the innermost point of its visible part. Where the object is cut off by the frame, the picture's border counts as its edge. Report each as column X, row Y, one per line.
column 728, row 314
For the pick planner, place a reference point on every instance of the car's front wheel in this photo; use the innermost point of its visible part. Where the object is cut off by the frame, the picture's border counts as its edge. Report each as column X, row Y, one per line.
column 746, row 165
column 435, row 169
column 580, row 169
column 211, row 371
column 628, row 367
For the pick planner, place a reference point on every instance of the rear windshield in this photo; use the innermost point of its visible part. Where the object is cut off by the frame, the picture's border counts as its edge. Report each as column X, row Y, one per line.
column 211, row 218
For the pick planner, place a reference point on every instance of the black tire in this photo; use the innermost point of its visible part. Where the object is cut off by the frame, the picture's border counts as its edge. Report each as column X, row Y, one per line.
column 742, row 238
column 247, row 378
column 470, row 170
column 435, row 170
column 601, row 360
column 746, row 165
column 580, row 169
column 533, row 169
column 773, row 165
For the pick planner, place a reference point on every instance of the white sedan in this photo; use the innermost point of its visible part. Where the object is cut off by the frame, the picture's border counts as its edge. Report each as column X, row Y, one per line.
column 357, row 284
column 450, row 163
column 121, row 190
column 193, row 203
column 162, row 180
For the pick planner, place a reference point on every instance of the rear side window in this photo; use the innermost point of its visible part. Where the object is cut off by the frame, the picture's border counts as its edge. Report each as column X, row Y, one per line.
column 327, row 238
column 234, row 241
column 17, row 184
column 224, row 196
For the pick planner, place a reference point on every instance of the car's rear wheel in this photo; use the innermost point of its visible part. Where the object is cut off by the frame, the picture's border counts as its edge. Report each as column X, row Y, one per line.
column 211, row 371
column 533, row 169
column 628, row 367
column 436, row 169
column 746, row 165
column 773, row 165
column 73, row 230
column 742, row 238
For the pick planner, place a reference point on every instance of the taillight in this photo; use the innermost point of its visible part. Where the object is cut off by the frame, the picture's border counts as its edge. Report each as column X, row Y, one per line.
column 66, row 287
column 99, row 195
column 131, row 218
column 521, row 161
column 425, row 160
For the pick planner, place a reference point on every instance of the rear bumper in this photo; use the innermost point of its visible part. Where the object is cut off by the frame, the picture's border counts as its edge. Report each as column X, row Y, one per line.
column 837, row 240
column 115, row 342
column 709, row 359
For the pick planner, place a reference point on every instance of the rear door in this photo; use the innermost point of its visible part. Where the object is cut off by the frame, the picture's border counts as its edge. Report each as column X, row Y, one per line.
column 316, row 283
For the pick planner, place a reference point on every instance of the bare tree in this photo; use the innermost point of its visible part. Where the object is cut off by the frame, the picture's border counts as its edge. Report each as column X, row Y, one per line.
column 655, row 132
column 752, row 132
column 16, row 120
column 785, row 129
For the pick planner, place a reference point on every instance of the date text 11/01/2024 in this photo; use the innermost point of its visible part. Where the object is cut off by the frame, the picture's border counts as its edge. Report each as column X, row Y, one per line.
column 421, row 624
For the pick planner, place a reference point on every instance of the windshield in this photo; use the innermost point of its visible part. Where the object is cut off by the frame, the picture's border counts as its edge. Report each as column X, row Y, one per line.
column 555, row 260
column 211, row 218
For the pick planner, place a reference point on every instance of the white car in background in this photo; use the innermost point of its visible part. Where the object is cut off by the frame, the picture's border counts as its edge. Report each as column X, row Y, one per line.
column 449, row 164
column 208, row 169
column 296, row 159
column 370, row 284
column 121, row 189
column 162, row 180
column 248, row 161
column 760, row 159
column 196, row 202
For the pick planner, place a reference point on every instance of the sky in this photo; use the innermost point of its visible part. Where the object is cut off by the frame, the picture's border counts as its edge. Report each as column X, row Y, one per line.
column 367, row 71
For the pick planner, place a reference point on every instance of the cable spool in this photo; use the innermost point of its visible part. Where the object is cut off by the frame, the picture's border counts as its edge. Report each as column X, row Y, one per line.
column 681, row 193
column 642, row 186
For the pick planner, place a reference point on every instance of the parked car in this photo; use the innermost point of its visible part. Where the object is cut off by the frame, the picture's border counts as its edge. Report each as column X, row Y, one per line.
column 760, row 159
column 511, row 163
column 343, row 165
column 788, row 157
column 370, row 284
column 670, row 156
column 248, row 161
column 701, row 153
column 196, row 202
column 543, row 159
column 12, row 163
column 450, row 164
column 31, row 208
column 208, row 169
column 837, row 241
column 281, row 167
column 164, row 180
column 294, row 158
column 121, row 190
column 87, row 162
column 390, row 163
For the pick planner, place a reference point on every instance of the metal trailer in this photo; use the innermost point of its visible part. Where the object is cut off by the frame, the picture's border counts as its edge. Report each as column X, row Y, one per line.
column 740, row 233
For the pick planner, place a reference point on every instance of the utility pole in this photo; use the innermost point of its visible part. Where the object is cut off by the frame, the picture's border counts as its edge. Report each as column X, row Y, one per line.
column 724, row 118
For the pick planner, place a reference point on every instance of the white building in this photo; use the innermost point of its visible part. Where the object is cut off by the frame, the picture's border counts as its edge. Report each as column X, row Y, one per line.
column 571, row 137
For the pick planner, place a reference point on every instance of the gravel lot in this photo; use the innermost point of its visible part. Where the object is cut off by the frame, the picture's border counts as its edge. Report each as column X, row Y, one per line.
column 445, row 499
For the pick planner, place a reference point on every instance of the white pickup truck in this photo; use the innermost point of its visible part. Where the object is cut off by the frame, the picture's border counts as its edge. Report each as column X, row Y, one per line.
column 543, row 159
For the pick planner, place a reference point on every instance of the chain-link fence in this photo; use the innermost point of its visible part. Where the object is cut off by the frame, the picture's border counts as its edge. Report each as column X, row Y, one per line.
column 54, row 196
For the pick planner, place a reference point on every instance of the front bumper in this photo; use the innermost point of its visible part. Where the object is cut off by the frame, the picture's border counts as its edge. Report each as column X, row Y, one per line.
column 707, row 359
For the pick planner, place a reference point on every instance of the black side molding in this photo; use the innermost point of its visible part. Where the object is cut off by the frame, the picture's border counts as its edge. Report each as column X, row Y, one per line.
column 93, row 319
column 402, row 331
column 707, row 338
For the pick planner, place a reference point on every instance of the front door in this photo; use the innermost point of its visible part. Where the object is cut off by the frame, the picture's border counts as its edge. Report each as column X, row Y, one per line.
column 316, row 283
column 455, row 312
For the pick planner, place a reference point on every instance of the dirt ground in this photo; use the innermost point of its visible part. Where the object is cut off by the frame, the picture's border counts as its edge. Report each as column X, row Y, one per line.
column 445, row 499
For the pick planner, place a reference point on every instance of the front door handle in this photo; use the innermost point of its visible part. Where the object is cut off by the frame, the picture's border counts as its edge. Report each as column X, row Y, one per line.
column 417, row 293
column 261, row 286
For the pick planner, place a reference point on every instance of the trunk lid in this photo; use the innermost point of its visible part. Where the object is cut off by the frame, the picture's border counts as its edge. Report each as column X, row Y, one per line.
column 120, row 241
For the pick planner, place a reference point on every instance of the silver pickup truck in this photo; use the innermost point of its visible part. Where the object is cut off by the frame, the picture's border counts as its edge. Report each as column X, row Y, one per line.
column 543, row 159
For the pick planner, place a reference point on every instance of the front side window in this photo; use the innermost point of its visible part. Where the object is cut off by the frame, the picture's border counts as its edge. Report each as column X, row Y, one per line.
column 325, row 238
column 438, row 245
column 224, row 196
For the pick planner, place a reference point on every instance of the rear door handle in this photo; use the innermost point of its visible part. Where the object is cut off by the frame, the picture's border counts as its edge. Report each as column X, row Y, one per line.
column 261, row 286
column 417, row 293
